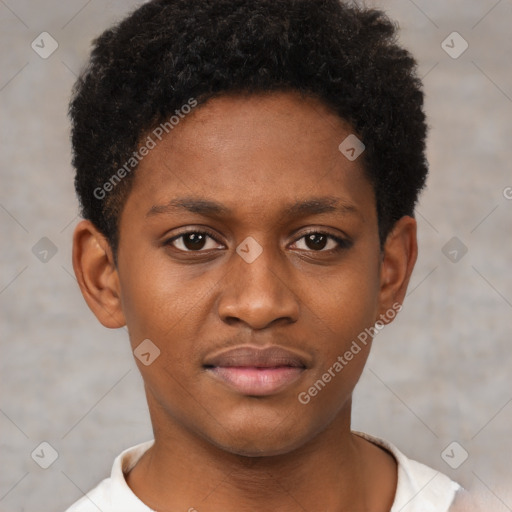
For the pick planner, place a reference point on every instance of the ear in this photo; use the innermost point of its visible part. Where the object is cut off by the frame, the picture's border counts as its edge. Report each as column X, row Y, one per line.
column 398, row 259
column 97, row 276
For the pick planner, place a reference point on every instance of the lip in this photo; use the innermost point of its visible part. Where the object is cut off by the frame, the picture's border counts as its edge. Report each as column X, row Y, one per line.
column 256, row 371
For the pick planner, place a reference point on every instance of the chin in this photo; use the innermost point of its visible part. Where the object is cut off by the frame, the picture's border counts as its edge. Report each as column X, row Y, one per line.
column 258, row 447
column 260, row 437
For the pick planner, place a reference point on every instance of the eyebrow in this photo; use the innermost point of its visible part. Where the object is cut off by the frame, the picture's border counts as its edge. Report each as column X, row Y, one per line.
column 208, row 208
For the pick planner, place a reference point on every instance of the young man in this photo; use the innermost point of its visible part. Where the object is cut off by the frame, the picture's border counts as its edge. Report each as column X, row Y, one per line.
column 248, row 173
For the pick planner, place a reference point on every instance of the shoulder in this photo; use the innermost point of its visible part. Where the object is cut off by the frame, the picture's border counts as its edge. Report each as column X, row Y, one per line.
column 99, row 497
column 113, row 494
column 420, row 488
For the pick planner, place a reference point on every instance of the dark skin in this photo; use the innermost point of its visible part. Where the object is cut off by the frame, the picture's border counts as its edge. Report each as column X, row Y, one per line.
column 215, row 448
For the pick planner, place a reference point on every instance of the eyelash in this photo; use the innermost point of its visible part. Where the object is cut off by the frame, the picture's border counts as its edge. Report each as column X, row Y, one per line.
column 342, row 243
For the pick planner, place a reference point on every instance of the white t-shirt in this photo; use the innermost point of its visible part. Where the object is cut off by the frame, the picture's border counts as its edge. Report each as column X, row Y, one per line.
column 419, row 487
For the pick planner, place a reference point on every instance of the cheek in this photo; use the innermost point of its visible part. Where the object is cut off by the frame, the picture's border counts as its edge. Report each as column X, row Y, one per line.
column 342, row 347
column 346, row 302
column 345, row 309
column 162, row 305
column 153, row 298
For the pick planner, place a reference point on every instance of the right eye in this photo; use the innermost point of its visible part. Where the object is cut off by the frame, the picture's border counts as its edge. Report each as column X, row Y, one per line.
column 192, row 241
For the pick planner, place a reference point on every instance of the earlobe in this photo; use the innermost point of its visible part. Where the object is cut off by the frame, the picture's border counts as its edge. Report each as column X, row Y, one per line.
column 398, row 260
column 97, row 275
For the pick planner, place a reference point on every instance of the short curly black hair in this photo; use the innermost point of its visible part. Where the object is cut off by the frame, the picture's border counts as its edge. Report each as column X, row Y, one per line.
column 168, row 51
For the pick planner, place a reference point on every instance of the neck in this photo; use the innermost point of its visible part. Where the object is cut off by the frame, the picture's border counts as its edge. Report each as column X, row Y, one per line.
column 183, row 471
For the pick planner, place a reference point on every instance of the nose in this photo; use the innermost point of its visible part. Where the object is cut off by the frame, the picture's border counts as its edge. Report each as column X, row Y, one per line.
column 259, row 293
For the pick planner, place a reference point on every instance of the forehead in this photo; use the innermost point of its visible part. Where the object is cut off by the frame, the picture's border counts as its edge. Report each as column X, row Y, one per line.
column 253, row 152
column 245, row 121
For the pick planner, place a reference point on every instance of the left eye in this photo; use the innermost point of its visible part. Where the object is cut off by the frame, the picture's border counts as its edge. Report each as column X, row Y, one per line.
column 197, row 241
column 317, row 241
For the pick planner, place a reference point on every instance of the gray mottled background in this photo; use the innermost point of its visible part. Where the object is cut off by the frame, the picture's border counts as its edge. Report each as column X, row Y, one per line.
column 440, row 373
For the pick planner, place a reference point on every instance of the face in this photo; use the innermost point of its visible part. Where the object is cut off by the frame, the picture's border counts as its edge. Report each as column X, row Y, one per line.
column 249, row 256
